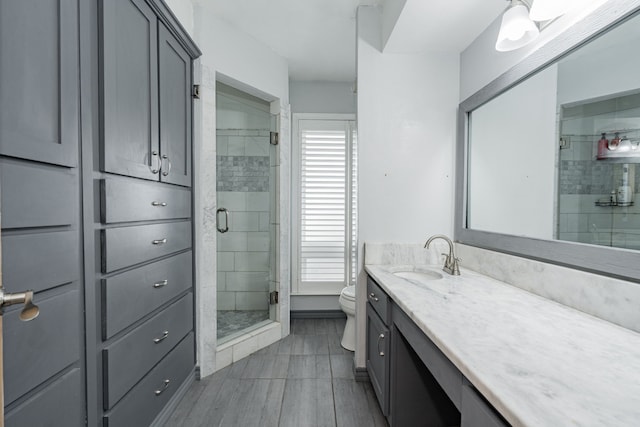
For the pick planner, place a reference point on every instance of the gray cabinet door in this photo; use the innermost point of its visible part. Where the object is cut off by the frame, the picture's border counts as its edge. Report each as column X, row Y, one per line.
column 378, row 357
column 39, row 94
column 39, row 197
column 130, row 89
column 175, row 109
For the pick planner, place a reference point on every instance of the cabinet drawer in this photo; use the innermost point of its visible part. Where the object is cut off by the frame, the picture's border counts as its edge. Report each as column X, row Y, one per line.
column 378, row 341
column 379, row 300
column 37, row 195
column 60, row 404
column 37, row 350
column 445, row 372
column 145, row 401
column 126, row 246
column 129, row 358
column 130, row 200
column 55, row 254
column 476, row 412
column 131, row 295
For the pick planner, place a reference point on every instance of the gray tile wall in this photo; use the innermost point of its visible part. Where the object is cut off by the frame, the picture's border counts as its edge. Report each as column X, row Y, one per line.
column 243, row 170
column 583, row 180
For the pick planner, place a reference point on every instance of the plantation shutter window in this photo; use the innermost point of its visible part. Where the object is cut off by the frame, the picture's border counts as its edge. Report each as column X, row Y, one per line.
column 326, row 215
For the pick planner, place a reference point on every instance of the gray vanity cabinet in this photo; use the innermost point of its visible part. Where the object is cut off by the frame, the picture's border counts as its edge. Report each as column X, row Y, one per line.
column 378, row 343
column 476, row 412
column 415, row 382
column 146, row 87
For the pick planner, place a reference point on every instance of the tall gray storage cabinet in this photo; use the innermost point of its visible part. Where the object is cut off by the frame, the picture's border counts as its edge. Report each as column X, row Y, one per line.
column 145, row 270
column 96, row 202
column 41, row 211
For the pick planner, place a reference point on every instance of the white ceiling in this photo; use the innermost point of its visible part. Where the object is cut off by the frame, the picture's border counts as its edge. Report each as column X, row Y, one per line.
column 318, row 36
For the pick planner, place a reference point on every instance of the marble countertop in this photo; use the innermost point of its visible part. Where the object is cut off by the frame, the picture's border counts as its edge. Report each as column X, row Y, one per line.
column 538, row 362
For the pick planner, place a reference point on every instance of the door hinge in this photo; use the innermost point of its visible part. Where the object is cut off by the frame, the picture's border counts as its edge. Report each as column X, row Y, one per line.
column 195, row 91
column 273, row 138
column 273, row 297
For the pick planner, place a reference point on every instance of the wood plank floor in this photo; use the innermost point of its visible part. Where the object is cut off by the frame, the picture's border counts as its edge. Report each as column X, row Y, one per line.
column 303, row 380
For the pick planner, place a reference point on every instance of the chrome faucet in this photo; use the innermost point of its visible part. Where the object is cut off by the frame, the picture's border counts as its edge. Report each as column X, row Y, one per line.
column 450, row 262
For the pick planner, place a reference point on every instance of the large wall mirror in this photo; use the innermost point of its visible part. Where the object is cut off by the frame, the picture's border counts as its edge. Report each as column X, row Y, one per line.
column 549, row 153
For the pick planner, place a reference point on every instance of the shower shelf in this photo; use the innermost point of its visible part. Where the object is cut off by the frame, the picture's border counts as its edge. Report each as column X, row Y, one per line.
column 613, row 204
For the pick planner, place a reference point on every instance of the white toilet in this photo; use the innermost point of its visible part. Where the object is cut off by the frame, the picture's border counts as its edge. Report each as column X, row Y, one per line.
column 348, row 305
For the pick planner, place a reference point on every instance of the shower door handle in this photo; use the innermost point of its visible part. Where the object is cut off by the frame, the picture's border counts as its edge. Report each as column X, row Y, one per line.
column 226, row 220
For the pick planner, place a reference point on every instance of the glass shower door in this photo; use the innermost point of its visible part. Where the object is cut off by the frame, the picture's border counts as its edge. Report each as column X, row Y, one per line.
column 245, row 238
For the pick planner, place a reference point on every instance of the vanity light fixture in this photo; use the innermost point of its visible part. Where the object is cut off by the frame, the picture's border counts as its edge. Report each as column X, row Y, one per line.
column 517, row 29
column 546, row 10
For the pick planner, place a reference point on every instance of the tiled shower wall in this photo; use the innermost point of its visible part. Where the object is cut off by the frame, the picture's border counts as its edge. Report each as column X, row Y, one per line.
column 583, row 181
column 244, row 180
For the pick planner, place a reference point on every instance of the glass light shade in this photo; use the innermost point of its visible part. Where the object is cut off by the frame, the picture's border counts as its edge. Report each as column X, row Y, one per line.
column 545, row 10
column 516, row 29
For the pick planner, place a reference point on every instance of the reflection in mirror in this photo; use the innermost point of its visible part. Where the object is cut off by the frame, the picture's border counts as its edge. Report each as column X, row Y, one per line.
column 554, row 157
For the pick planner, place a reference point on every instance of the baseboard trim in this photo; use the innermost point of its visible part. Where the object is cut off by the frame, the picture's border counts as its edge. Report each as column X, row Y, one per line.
column 317, row 314
column 360, row 374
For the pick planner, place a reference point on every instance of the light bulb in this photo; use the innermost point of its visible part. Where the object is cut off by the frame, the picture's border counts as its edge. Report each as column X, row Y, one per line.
column 516, row 29
column 545, row 10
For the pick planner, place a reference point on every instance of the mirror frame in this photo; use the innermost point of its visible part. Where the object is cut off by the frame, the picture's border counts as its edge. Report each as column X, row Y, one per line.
column 603, row 260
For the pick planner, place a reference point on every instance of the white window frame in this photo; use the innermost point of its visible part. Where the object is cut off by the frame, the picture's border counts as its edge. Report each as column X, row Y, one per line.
column 297, row 287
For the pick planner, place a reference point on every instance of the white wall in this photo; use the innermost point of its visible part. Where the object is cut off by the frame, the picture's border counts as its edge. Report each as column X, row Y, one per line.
column 322, row 97
column 259, row 70
column 512, row 165
column 183, row 10
column 406, row 135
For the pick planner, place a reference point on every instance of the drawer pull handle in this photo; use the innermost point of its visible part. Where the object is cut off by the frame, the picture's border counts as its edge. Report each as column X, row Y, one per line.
column 373, row 297
column 164, row 336
column 380, row 337
column 160, row 204
column 161, row 283
column 166, row 172
column 153, row 168
column 159, row 241
column 165, row 385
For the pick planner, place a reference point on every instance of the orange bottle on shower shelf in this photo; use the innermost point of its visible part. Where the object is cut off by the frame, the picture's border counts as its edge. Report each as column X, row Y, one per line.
column 603, row 146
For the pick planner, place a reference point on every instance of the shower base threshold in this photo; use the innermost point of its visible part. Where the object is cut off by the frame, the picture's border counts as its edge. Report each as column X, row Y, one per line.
column 235, row 323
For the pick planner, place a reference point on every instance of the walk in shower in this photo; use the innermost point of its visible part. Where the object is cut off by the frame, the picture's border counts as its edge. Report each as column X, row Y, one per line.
column 246, row 155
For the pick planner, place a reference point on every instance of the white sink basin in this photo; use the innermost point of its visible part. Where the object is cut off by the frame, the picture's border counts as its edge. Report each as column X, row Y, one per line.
column 419, row 276
column 424, row 278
